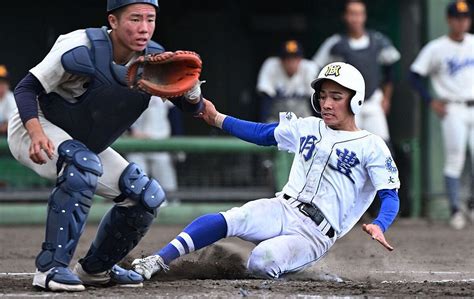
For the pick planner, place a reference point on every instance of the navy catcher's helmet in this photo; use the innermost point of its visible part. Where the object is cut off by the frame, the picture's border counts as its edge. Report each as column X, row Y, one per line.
column 114, row 4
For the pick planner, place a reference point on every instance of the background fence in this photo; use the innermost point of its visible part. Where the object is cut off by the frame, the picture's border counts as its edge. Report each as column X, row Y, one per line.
column 217, row 168
column 223, row 171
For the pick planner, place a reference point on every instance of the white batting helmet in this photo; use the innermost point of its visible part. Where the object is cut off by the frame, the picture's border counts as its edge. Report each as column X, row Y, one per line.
column 345, row 75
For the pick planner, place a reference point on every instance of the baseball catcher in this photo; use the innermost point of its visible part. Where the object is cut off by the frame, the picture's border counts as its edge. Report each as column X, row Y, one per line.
column 91, row 87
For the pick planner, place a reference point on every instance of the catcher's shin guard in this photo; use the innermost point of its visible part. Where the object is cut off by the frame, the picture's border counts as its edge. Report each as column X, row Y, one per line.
column 123, row 226
column 69, row 204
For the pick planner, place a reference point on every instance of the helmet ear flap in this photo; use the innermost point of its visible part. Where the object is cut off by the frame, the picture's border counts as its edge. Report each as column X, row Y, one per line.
column 315, row 102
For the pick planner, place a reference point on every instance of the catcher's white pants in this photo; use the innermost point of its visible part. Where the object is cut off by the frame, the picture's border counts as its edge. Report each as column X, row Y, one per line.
column 458, row 131
column 19, row 143
column 372, row 117
column 287, row 241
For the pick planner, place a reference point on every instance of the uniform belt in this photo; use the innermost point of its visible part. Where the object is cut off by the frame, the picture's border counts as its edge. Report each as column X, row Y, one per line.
column 468, row 103
column 316, row 215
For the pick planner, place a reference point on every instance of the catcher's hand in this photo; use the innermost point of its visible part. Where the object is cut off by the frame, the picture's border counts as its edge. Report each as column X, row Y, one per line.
column 376, row 233
column 167, row 75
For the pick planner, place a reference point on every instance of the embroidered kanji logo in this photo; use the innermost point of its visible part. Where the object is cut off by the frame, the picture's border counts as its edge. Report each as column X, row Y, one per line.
column 307, row 145
column 345, row 161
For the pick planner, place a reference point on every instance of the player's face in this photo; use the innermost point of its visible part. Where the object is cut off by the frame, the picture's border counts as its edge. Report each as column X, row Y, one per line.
column 291, row 65
column 355, row 16
column 459, row 25
column 334, row 102
column 135, row 26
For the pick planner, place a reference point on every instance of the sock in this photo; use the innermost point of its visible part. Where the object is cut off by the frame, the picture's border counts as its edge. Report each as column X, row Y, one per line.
column 452, row 188
column 203, row 231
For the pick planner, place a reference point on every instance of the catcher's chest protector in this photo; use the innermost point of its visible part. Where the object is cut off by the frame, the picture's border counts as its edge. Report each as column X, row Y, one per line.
column 97, row 62
column 108, row 107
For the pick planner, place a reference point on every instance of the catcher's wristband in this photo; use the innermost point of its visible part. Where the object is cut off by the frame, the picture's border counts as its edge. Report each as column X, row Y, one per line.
column 194, row 95
column 219, row 120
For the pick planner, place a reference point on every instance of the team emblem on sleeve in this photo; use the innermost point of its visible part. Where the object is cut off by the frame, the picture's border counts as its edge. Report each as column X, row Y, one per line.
column 389, row 165
column 345, row 161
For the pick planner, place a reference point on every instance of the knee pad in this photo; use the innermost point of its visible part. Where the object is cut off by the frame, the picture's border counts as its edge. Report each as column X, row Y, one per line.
column 123, row 227
column 136, row 185
column 69, row 204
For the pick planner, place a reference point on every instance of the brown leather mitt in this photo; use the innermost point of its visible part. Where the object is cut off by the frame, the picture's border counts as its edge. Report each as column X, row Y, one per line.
column 167, row 75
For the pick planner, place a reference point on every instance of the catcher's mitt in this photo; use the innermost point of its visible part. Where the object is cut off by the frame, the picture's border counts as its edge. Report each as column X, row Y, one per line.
column 168, row 75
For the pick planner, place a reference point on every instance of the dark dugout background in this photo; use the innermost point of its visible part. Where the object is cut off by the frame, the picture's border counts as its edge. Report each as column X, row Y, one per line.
column 233, row 37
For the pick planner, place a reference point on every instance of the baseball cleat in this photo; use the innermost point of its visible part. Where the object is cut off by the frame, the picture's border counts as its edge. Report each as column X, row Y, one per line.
column 149, row 265
column 458, row 221
column 58, row 279
column 125, row 278
column 116, row 275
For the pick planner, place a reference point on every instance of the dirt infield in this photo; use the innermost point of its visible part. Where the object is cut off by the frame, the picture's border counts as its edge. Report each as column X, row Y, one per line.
column 429, row 260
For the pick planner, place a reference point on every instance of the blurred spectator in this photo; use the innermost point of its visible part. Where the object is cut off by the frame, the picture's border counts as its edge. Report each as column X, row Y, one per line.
column 449, row 62
column 154, row 124
column 284, row 83
column 374, row 55
column 7, row 100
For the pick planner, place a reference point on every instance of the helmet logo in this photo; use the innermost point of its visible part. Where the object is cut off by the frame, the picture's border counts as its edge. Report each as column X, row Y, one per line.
column 333, row 70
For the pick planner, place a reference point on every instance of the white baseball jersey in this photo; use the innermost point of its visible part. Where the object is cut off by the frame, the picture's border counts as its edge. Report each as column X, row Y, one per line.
column 288, row 93
column 154, row 120
column 155, row 124
column 450, row 65
column 273, row 79
column 53, row 78
column 338, row 171
column 7, row 106
column 50, row 72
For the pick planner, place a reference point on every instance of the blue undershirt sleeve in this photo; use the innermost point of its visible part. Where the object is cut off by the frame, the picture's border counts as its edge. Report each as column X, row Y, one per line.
column 388, row 208
column 388, row 73
column 257, row 133
column 417, row 83
column 25, row 94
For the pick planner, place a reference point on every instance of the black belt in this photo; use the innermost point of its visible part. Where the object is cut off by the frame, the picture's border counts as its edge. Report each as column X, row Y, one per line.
column 312, row 212
column 468, row 103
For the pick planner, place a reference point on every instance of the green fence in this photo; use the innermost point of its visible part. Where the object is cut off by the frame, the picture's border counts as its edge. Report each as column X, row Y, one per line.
column 23, row 193
column 15, row 176
column 215, row 169
column 19, row 186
